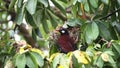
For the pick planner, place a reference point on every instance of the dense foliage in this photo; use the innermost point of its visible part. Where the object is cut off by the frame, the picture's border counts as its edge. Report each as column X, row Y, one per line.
column 25, row 27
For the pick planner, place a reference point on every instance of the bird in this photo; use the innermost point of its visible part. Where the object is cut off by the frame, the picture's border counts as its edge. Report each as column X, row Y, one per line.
column 65, row 42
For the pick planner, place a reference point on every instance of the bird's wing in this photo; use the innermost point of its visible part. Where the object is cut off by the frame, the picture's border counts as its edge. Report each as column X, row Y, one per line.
column 66, row 44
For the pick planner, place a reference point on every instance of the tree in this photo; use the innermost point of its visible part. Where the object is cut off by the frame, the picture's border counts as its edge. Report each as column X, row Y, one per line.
column 96, row 24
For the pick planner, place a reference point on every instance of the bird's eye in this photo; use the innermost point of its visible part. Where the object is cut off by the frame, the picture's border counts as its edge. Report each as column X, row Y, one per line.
column 63, row 31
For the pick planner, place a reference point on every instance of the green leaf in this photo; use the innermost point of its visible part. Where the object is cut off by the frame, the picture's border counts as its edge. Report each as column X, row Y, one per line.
column 21, row 61
column 86, row 6
column 59, row 6
column 117, row 27
column 113, row 63
column 38, row 16
column 74, row 2
column 64, row 61
column 94, row 3
column 109, row 52
column 75, row 62
column 74, row 22
column 12, row 3
column 65, row 1
column 44, row 22
column 53, row 48
column 52, row 19
column 112, row 31
column 56, row 60
column 29, row 19
column 45, row 2
column 31, row 6
column 105, row 1
column 19, row 3
column 91, row 32
column 104, row 32
column 118, row 2
column 34, row 35
column 74, row 9
column 99, row 62
column 45, row 26
column 38, row 58
column 79, row 0
column 38, row 33
column 117, row 47
column 46, row 64
column 30, row 62
column 20, row 15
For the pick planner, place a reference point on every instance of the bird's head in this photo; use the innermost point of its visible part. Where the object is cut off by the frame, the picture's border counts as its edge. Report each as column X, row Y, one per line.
column 63, row 31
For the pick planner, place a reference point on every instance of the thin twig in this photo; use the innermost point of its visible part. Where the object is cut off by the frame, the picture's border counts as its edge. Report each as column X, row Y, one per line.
column 110, row 14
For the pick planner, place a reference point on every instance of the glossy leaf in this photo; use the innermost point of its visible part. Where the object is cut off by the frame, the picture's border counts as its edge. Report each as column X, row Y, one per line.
column 99, row 62
column 113, row 32
column 34, row 35
column 21, row 58
column 45, row 2
column 91, row 32
column 20, row 3
column 52, row 18
column 117, row 27
column 44, row 22
column 74, row 2
column 94, row 3
column 37, row 51
column 117, row 47
column 53, row 56
column 74, row 9
column 113, row 63
column 65, row 61
column 105, row 1
column 56, row 60
column 59, row 6
column 38, row 58
column 29, row 19
column 86, row 6
column 20, row 15
column 31, row 6
column 79, row 0
column 38, row 16
column 109, row 52
column 104, row 32
column 118, row 2
column 75, row 62
column 19, row 18
column 38, row 33
column 65, row 1
column 74, row 22
column 81, row 57
column 30, row 61
column 45, row 26
column 53, row 48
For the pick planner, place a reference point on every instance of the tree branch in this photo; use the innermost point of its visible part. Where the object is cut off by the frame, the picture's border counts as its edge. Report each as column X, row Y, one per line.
column 110, row 14
column 26, row 35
